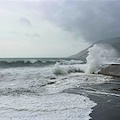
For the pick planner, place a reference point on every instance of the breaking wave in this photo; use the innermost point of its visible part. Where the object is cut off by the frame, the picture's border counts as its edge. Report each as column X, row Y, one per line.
column 25, row 63
column 100, row 55
column 35, row 62
column 66, row 69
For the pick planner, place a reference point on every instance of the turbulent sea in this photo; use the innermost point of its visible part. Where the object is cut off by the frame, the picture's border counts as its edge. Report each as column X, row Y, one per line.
column 32, row 89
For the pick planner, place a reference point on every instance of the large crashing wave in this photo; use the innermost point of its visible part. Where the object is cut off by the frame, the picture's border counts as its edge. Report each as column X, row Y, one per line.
column 98, row 55
column 66, row 67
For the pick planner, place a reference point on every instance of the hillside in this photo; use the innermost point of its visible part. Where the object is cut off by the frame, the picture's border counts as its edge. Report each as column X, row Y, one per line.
column 114, row 42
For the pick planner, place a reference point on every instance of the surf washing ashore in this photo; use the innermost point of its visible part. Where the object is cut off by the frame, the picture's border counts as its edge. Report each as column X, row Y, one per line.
column 58, row 88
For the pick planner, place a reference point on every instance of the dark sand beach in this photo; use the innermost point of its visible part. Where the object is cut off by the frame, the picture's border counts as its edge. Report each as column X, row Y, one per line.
column 107, row 97
column 108, row 107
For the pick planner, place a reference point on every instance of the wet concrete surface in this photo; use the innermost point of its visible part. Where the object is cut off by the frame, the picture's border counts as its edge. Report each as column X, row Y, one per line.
column 113, row 69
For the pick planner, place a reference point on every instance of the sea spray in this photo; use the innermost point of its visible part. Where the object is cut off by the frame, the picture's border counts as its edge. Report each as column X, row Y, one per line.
column 65, row 69
column 99, row 55
column 59, row 70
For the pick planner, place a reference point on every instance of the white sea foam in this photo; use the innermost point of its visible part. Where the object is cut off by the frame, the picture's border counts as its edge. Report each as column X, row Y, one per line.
column 64, row 69
column 98, row 55
column 71, row 62
column 60, row 70
column 30, row 93
column 33, row 61
column 75, row 80
column 52, row 107
column 76, row 61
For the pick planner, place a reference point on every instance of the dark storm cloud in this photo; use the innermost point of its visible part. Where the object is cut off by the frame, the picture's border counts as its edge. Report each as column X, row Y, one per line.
column 25, row 21
column 92, row 20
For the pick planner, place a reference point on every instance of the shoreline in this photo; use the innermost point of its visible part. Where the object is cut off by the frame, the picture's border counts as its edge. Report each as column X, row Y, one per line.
column 105, row 95
column 107, row 107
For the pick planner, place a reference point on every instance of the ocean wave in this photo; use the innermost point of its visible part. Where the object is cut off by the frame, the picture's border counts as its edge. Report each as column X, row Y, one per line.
column 25, row 63
column 7, row 63
column 69, row 62
column 67, row 69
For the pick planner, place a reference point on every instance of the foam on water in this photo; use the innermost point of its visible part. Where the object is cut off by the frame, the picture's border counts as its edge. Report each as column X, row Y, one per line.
column 75, row 80
column 56, row 107
column 60, row 70
column 63, row 69
column 35, row 93
column 37, row 80
column 70, row 62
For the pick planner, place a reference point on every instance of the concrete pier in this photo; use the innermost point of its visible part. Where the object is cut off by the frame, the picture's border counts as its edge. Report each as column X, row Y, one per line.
column 113, row 70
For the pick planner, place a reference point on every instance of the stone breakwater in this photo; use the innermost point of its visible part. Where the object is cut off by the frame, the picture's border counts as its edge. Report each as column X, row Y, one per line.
column 113, row 70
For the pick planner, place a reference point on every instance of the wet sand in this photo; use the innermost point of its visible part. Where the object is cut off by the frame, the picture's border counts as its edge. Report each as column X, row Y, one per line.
column 107, row 97
column 108, row 107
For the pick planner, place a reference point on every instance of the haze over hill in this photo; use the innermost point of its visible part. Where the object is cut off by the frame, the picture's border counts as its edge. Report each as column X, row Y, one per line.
column 114, row 42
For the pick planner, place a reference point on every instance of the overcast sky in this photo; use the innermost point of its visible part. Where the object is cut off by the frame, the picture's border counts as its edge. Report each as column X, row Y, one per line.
column 55, row 28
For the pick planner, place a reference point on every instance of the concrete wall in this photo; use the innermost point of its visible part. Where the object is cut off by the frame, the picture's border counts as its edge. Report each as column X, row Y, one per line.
column 113, row 69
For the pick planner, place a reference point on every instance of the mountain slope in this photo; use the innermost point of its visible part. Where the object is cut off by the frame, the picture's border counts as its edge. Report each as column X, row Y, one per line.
column 114, row 42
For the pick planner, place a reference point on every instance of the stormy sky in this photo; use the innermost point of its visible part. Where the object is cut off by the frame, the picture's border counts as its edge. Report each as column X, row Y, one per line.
column 55, row 28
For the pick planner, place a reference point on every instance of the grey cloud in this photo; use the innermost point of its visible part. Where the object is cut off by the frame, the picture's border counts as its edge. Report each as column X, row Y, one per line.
column 92, row 20
column 35, row 35
column 25, row 21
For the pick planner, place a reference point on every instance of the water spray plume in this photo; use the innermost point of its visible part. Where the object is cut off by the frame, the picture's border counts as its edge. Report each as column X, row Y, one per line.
column 98, row 55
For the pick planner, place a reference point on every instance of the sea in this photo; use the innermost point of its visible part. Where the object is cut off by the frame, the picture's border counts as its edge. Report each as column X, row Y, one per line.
column 32, row 89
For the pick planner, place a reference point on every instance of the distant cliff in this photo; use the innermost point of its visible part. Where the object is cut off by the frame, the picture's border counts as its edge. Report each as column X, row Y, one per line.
column 114, row 42
column 82, row 54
